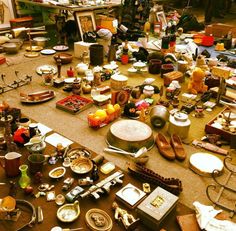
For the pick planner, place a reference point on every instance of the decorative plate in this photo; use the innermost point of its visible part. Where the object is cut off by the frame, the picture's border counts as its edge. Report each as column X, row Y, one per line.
column 81, row 165
column 69, row 80
column 60, row 48
column 46, row 68
column 57, row 172
column 37, row 97
column 101, row 216
column 48, row 52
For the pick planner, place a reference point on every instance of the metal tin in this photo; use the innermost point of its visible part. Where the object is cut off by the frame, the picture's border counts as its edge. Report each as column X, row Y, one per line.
column 159, row 115
column 179, row 124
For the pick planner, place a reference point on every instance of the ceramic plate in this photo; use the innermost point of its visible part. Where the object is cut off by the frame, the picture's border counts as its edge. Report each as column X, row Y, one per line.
column 46, row 68
column 48, row 52
column 61, row 48
column 132, row 70
column 110, row 67
column 37, row 97
column 69, row 80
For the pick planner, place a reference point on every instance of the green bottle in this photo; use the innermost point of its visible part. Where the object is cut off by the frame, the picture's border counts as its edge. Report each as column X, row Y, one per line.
column 24, row 180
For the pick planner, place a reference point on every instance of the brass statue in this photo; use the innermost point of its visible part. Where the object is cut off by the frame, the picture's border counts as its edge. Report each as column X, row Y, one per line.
column 128, row 220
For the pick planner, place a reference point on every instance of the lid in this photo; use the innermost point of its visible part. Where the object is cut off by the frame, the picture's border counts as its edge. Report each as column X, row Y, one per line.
column 179, row 116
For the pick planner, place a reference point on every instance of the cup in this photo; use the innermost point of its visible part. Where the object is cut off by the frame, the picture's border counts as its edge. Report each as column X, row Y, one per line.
column 33, row 127
column 166, row 68
column 48, row 78
column 212, row 62
column 182, row 66
column 154, row 66
column 24, row 122
column 11, row 163
column 36, row 162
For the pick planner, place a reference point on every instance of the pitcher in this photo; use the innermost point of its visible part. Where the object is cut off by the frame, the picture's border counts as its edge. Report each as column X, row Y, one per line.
column 11, row 163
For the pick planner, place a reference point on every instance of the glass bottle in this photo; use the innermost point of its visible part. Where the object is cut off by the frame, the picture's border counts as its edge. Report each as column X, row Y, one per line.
column 24, row 180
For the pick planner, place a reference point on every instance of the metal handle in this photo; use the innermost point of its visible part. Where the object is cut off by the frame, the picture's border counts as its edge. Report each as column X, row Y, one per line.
column 116, row 151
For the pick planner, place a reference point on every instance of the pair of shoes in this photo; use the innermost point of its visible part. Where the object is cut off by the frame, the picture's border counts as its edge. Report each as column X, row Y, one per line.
column 164, row 147
column 170, row 150
column 177, row 145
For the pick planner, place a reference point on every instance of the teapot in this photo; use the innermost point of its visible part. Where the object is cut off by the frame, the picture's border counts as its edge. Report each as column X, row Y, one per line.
column 12, row 163
column 81, row 68
column 36, row 144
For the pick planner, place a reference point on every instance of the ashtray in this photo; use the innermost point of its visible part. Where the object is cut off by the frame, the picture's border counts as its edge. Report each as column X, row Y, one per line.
column 130, row 195
column 98, row 220
column 68, row 212
column 81, row 165
column 57, row 172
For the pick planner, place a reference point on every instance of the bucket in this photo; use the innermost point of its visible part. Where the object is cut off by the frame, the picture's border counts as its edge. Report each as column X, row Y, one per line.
column 96, row 54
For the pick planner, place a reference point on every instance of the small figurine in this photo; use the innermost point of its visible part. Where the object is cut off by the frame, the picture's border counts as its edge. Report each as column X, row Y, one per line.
column 129, row 222
column 196, row 84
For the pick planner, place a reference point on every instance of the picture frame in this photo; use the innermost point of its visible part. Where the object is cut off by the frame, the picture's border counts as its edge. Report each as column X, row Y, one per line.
column 85, row 21
column 162, row 18
column 6, row 13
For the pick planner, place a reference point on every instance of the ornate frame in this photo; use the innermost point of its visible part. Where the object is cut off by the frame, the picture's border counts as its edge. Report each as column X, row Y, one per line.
column 85, row 21
column 7, row 13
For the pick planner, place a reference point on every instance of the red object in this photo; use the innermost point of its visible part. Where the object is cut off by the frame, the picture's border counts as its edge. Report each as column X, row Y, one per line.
column 2, row 59
column 124, row 59
column 21, row 22
column 207, row 41
column 70, row 72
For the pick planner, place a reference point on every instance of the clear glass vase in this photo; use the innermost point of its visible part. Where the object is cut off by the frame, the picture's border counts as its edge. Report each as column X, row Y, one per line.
column 24, row 180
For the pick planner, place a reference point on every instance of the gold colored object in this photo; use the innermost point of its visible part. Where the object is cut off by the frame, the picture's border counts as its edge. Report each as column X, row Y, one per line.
column 31, row 54
column 69, row 212
column 146, row 188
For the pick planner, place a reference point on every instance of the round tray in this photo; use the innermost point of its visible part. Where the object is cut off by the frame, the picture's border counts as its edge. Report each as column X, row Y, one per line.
column 130, row 135
column 93, row 218
column 81, row 165
column 204, row 164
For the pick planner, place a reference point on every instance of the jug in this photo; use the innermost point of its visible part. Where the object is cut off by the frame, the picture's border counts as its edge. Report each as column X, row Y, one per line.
column 12, row 163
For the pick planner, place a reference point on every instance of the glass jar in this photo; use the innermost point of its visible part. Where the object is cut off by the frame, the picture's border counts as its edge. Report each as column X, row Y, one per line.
column 24, row 180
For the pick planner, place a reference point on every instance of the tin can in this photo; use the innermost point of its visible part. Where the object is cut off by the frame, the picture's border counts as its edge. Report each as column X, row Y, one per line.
column 179, row 124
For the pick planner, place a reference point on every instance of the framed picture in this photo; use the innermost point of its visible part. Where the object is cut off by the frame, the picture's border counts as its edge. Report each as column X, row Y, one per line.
column 85, row 21
column 6, row 13
column 162, row 18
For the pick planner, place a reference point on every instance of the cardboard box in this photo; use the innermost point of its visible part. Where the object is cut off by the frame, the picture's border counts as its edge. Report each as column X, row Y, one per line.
column 220, row 30
column 80, row 48
column 156, row 207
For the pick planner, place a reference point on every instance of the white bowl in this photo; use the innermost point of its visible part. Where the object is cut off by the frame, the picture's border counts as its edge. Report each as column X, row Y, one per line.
column 57, row 172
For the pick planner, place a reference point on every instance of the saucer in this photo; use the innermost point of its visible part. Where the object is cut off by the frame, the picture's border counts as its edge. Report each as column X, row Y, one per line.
column 47, row 52
column 46, row 68
column 61, row 48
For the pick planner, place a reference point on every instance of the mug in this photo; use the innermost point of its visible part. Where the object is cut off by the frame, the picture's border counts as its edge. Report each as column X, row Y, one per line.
column 11, row 164
column 154, row 66
column 212, row 62
column 24, row 122
column 33, row 128
column 182, row 66
column 36, row 162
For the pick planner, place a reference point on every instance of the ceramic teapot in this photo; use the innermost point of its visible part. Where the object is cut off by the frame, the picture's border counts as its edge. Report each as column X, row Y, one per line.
column 81, row 68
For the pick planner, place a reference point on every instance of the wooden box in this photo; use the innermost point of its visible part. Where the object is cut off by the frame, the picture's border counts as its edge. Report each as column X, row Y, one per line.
column 220, row 30
column 21, row 22
column 226, row 135
column 171, row 76
column 156, row 207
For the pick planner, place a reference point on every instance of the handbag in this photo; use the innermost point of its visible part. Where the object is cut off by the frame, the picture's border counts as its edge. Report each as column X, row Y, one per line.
column 90, row 37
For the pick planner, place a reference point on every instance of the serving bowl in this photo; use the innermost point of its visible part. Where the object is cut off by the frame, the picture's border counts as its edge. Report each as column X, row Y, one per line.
column 57, row 172
column 81, row 165
column 11, row 48
column 40, row 41
column 65, row 57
